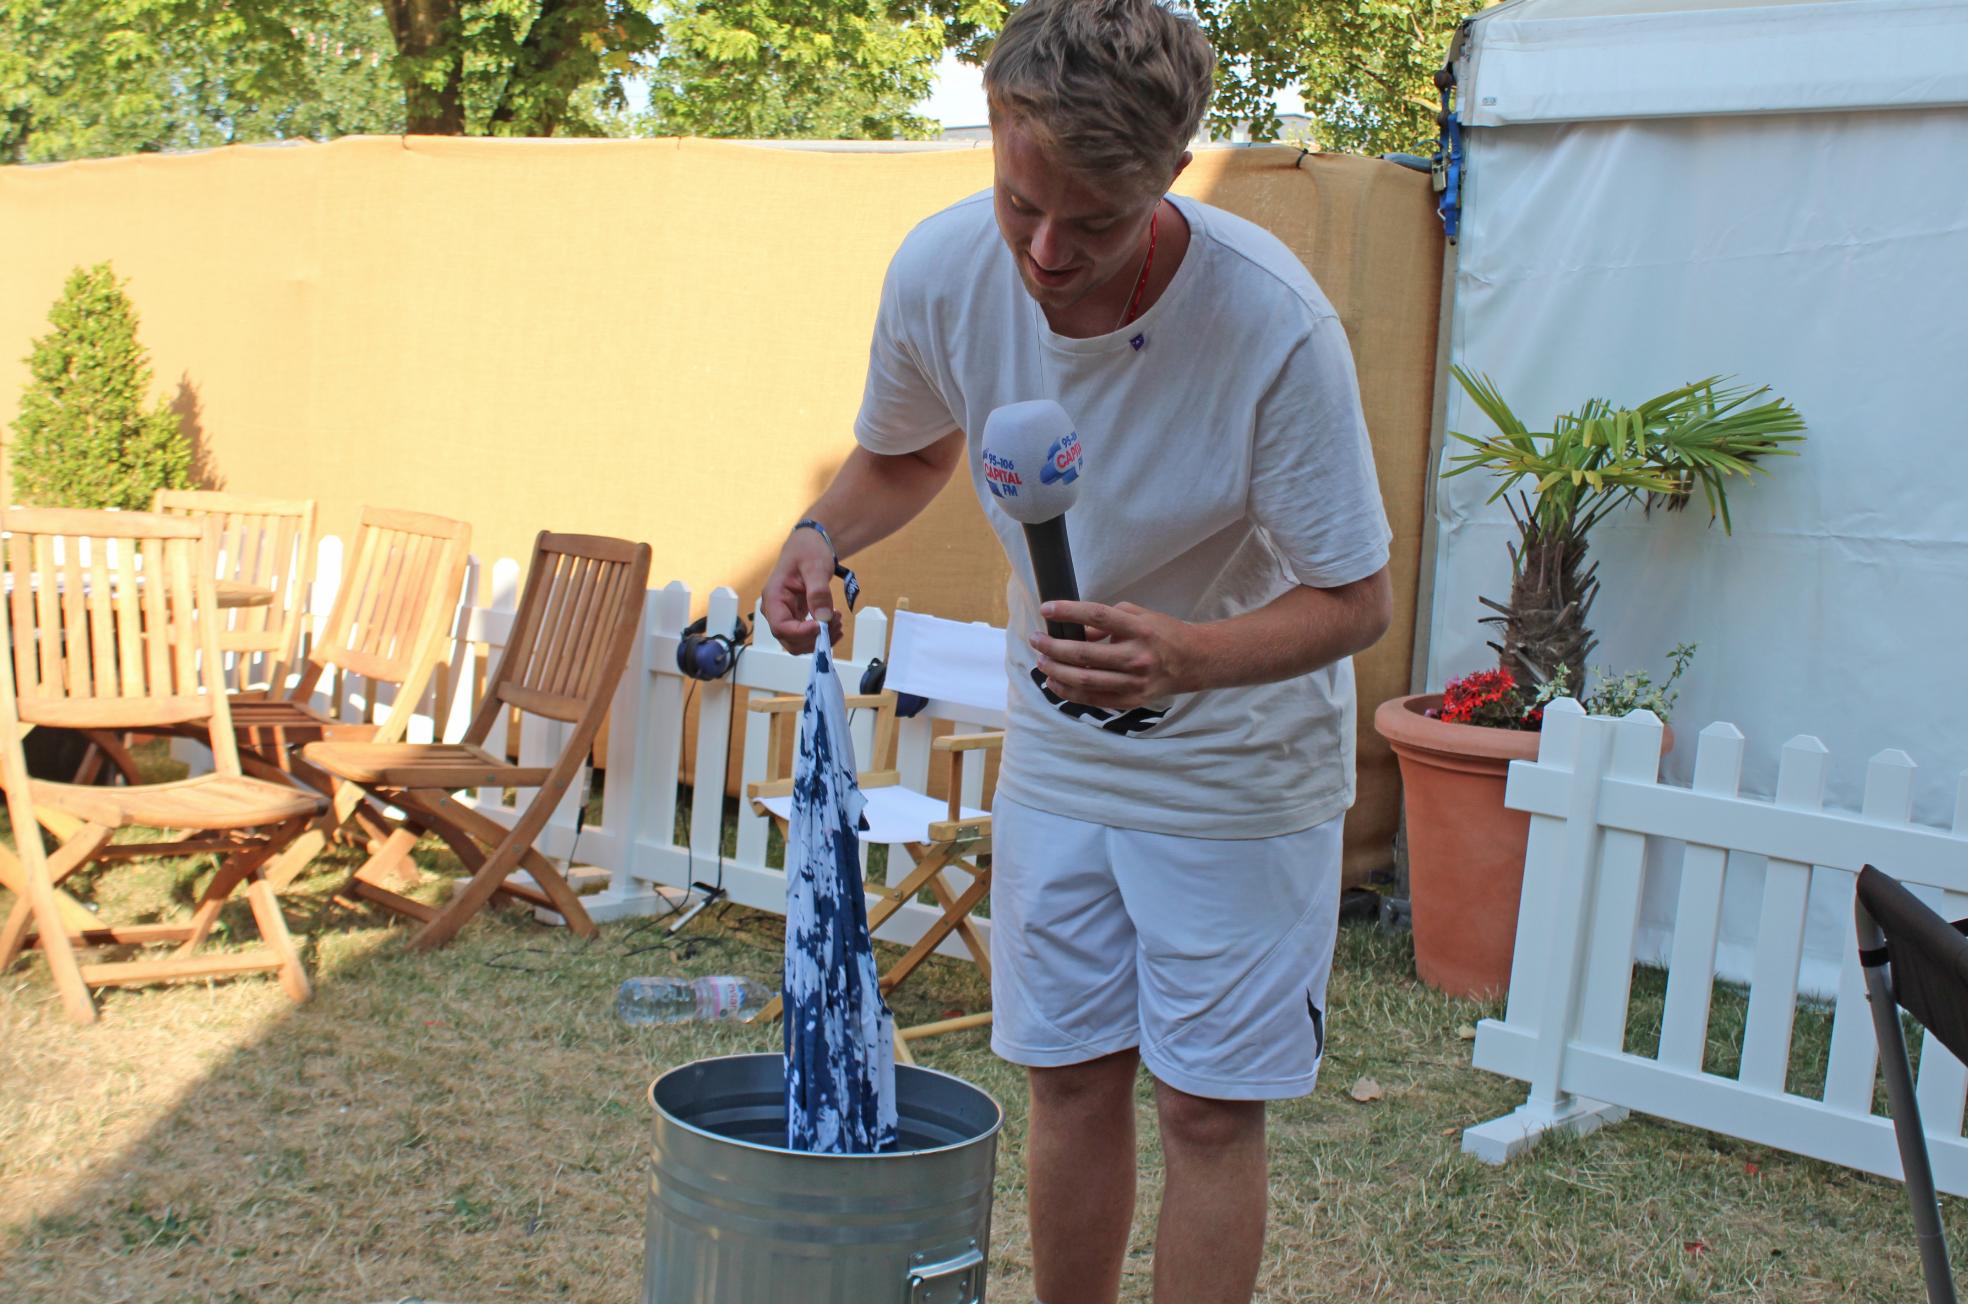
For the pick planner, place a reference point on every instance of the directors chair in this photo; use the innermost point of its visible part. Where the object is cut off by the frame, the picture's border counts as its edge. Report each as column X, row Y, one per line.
column 952, row 672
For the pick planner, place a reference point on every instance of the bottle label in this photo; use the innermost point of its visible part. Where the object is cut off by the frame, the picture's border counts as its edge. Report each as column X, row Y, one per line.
column 723, row 995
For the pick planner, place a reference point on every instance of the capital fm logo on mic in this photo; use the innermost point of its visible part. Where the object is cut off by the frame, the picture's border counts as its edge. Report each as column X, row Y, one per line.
column 1002, row 475
column 1062, row 464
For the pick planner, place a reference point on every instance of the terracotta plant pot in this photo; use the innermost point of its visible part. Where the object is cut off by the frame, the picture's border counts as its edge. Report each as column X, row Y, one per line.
column 1465, row 848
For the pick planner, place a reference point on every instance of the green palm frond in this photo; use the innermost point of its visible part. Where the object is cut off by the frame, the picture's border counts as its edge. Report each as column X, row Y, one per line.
column 1598, row 457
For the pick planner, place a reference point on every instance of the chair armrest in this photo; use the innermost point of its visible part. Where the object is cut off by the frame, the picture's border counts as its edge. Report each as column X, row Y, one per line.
column 969, row 742
column 969, row 833
column 349, row 733
column 781, row 703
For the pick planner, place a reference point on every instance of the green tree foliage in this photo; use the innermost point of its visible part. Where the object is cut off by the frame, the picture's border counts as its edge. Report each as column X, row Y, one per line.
column 517, row 67
column 95, row 78
column 812, row 69
column 85, row 437
column 91, row 78
column 87, row 78
column 1364, row 66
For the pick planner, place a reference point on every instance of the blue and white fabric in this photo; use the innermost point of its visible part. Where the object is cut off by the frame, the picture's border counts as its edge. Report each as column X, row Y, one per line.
column 840, row 1036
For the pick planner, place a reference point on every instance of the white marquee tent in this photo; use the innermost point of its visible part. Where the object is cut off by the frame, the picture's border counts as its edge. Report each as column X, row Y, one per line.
column 1661, row 190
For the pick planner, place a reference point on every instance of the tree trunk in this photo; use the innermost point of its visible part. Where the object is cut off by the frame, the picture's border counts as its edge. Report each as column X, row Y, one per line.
column 430, row 63
column 554, row 36
column 1551, row 590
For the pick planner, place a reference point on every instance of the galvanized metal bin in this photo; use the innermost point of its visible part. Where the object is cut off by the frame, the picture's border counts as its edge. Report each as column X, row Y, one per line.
column 736, row 1218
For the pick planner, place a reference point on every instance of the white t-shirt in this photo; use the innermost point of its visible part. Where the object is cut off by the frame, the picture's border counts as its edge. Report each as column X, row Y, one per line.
column 1226, row 460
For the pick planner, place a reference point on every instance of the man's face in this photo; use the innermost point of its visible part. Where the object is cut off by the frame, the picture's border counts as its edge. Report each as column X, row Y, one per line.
column 1069, row 234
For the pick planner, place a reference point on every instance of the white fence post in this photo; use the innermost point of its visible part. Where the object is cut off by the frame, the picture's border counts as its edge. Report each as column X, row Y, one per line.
column 1780, row 934
column 1691, row 973
column 714, row 699
column 645, row 749
column 752, row 826
column 1564, row 875
column 456, row 699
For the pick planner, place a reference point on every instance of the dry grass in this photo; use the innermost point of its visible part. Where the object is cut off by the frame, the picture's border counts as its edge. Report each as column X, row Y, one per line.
column 472, row 1125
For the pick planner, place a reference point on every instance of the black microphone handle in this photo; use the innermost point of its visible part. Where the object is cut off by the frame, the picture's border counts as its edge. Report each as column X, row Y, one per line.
column 1052, row 567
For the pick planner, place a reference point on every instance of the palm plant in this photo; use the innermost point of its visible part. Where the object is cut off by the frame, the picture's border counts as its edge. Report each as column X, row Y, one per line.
column 1590, row 463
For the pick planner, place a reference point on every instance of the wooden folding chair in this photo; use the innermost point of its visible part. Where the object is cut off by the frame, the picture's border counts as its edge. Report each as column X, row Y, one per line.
column 391, row 615
column 266, row 553
column 265, row 560
column 577, row 622
column 120, row 633
column 938, row 835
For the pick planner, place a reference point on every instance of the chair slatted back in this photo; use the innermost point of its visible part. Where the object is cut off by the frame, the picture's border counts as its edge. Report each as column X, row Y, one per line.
column 578, row 614
column 267, row 543
column 397, row 596
column 111, row 618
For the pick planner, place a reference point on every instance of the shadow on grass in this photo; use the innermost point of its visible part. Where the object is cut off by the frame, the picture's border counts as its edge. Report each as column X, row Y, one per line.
column 457, row 1125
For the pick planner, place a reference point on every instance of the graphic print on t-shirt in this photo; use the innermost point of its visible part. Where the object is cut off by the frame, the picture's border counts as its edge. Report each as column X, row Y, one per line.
column 1140, row 720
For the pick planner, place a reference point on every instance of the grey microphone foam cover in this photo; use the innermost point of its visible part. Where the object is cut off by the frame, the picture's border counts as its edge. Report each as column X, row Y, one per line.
column 1032, row 460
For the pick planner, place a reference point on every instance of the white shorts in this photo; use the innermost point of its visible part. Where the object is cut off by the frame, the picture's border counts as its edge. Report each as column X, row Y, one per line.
column 1209, row 954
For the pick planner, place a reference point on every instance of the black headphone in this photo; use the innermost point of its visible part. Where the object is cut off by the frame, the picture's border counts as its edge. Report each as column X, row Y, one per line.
column 907, row 705
column 710, row 656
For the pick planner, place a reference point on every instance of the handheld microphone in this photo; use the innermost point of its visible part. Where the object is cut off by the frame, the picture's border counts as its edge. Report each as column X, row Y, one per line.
column 1032, row 462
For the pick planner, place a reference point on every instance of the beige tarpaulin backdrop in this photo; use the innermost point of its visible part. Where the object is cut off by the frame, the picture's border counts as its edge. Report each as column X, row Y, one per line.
column 658, row 339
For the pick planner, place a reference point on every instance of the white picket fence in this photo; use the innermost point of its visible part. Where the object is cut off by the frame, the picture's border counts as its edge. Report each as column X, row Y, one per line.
column 1595, row 803
column 636, row 838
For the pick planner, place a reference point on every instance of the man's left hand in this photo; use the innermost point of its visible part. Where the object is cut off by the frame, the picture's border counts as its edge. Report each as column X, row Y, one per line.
column 1131, row 657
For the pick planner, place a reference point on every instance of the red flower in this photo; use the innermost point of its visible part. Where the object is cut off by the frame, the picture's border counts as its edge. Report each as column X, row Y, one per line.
column 1488, row 697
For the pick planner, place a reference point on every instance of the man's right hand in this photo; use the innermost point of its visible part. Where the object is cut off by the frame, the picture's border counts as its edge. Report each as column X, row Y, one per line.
column 799, row 593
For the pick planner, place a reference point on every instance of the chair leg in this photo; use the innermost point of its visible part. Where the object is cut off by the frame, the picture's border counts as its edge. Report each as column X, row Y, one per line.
column 207, row 911
column 362, row 890
column 979, row 952
column 466, row 830
column 91, row 767
column 14, row 934
column 72, row 917
column 545, row 873
column 232, row 871
column 55, row 944
column 299, row 853
column 113, row 748
column 386, row 865
column 935, row 934
column 273, row 932
column 467, row 900
column 295, row 857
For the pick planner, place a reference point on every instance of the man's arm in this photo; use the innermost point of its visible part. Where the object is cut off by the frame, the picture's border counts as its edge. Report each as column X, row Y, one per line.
column 873, row 495
column 1141, row 656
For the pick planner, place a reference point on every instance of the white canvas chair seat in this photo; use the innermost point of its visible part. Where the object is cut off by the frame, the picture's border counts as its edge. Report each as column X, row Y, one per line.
column 894, row 813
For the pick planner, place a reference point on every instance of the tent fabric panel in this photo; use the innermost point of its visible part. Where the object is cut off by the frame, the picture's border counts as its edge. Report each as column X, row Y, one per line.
column 1825, row 256
column 1560, row 62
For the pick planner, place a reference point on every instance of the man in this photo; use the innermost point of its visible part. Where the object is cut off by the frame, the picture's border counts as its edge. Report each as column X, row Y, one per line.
column 1166, row 897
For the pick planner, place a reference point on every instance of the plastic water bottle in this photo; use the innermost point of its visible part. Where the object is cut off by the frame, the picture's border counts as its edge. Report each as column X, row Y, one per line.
column 643, row 1001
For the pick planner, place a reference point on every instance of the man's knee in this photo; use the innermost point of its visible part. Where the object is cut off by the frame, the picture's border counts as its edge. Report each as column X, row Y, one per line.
column 1094, row 1084
column 1201, row 1125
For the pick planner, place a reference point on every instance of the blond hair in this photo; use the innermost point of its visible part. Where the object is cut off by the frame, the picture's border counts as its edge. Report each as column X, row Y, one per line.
column 1112, row 88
